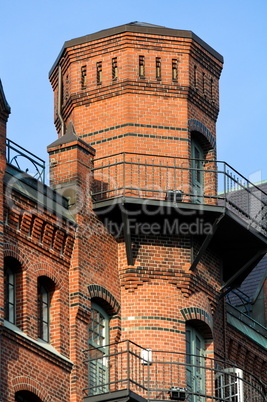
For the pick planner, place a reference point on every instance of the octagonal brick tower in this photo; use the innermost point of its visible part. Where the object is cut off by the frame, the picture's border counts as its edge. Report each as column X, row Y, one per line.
column 138, row 88
column 146, row 99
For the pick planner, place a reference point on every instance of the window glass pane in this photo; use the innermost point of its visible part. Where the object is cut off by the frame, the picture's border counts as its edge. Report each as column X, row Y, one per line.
column 11, row 278
column 44, row 296
column 98, row 328
column 195, row 372
column 44, row 312
column 11, row 294
column 45, row 331
column 11, row 312
column 98, row 374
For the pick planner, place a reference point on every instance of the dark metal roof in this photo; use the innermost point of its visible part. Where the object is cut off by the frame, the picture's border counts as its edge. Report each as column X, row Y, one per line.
column 39, row 193
column 145, row 24
column 253, row 283
column 68, row 137
column 137, row 27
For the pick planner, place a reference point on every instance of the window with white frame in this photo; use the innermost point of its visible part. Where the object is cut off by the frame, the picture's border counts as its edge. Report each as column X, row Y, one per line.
column 229, row 385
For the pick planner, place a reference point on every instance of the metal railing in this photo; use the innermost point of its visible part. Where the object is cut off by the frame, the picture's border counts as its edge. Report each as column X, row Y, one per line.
column 25, row 161
column 155, row 375
column 240, row 300
column 207, row 182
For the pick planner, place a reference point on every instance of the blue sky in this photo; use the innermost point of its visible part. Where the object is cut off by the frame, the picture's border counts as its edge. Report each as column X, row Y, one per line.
column 32, row 34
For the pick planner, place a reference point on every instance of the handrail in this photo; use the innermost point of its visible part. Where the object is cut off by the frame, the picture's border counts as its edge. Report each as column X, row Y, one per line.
column 129, row 370
column 18, row 151
column 151, row 176
column 182, row 158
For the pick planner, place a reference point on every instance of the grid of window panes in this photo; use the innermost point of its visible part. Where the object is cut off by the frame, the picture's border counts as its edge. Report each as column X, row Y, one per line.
column 44, row 307
column 189, row 373
column 195, row 372
column 10, row 296
column 229, row 385
column 97, row 328
column 98, row 361
column 98, row 375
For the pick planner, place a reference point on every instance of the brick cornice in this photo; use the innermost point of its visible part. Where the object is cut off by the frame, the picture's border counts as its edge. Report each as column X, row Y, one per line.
column 142, row 88
column 41, row 234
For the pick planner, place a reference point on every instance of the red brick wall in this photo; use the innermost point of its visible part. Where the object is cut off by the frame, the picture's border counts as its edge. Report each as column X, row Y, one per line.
column 27, row 367
column 42, row 242
column 130, row 99
column 160, row 285
column 3, row 120
column 146, row 116
column 151, row 301
column 246, row 354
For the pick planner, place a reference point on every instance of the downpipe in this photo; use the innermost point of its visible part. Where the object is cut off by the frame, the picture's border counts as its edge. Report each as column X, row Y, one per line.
column 59, row 101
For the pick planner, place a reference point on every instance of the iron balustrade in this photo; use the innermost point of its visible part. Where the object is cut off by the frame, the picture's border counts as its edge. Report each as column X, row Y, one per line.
column 240, row 300
column 154, row 374
column 208, row 182
column 20, row 157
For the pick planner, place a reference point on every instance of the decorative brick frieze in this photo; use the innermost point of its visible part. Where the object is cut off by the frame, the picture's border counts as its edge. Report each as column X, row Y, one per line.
column 47, row 236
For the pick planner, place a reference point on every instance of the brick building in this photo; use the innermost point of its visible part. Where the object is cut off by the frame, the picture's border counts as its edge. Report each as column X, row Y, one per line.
column 132, row 251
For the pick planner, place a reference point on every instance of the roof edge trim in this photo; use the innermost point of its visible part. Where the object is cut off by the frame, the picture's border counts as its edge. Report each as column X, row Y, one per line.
column 136, row 28
column 3, row 100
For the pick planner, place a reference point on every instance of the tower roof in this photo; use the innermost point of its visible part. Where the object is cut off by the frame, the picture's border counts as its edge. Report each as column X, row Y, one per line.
column 137, row 27
column 4, row 106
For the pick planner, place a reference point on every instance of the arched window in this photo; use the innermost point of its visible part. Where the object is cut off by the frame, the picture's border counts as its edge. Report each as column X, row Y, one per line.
column 45, row 290
column 26, row 396
column 197, row 171
column 98, row 350
column 99, row 326
column 195, row 362
column 13, row 281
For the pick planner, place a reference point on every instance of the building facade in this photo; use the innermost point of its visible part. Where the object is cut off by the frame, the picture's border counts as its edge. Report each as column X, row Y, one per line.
column 119, row 278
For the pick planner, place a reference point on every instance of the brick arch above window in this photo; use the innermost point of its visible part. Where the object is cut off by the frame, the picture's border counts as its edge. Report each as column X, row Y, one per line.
column 195, row 125
column 28, row 384
column 13, row 251
column 44, row 269
column 109, row 302
column 199, row 315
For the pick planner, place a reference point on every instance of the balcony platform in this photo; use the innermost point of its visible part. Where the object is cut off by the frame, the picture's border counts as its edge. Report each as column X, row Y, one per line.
column 133, row 378
column 240, row 243
column 135, row 194
column 123, row 395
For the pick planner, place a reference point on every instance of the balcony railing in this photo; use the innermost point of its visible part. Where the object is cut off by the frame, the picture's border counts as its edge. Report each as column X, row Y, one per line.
column 204, row 182
column 161, row 375
column 25, row 161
